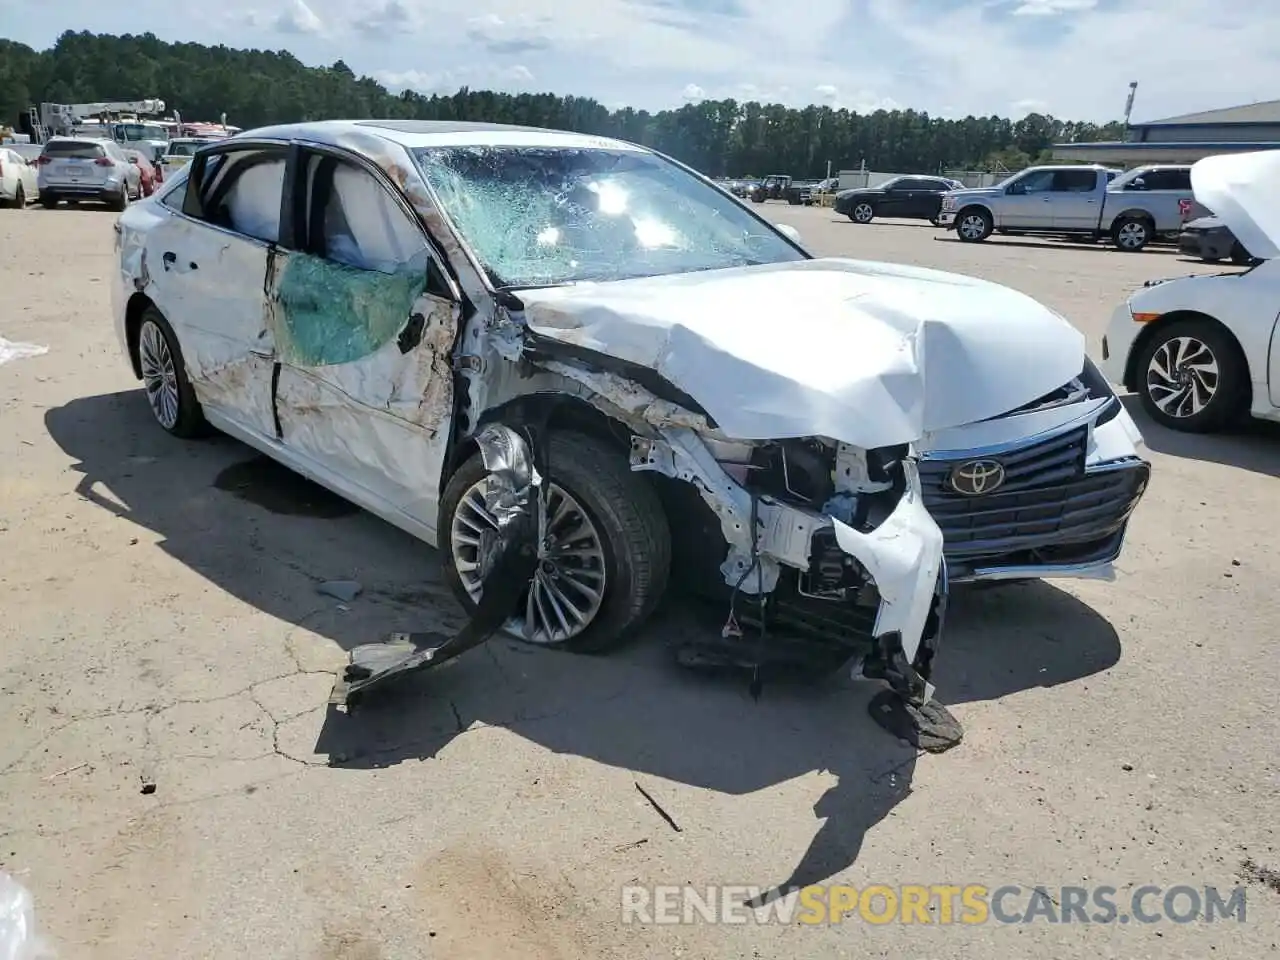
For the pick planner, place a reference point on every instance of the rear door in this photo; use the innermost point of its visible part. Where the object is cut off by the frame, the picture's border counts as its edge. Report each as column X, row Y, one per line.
column 208, row 264
column 364, row 317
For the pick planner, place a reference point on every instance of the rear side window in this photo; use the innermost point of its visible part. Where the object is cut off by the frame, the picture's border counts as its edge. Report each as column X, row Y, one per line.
column 1174, row 179
column 1074, row 181
column 240, row 190
column 73, row 149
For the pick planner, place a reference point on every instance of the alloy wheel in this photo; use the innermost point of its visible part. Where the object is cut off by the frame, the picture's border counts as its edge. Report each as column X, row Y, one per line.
column 863, row 213
column 159, row 374
column 1131, row 235
column 972, row 227
column 1183, row 377
column 568, row 589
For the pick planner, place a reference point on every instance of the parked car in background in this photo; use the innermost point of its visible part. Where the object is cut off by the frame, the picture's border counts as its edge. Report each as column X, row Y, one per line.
column 147, row 172
column 772, row 187
column 911, row 197
column 1131, row 209
column 800, row 192
column 74, row 169
column 19, row 184
column 179, row 152
column 1210, row 239
column 744, row 188
column 1203, row 351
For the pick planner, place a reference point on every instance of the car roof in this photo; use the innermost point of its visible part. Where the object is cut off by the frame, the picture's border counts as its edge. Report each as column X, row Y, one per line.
column 414, row 134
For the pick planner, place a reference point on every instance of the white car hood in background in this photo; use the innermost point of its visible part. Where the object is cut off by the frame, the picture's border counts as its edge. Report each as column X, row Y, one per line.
column 1244, row 190
column 869, row 353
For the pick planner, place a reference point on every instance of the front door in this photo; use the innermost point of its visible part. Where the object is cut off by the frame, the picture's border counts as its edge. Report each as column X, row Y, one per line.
column 208, row 266
column 1028, row 202
column 364, row 320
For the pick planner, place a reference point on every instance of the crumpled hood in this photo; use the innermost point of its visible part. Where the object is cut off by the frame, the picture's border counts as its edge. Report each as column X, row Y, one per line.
column 873, row 354
column 1244, row 190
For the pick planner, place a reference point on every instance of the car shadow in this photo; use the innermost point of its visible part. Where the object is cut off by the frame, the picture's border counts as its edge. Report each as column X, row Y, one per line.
column 268, row 537
column 1252, row 445
column 1053, row 243
column 887, row 222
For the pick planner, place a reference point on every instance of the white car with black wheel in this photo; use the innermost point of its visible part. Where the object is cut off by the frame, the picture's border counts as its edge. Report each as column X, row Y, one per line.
column 1201, row 352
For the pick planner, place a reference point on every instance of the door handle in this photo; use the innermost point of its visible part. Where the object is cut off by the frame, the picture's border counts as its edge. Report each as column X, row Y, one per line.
column 170, row 260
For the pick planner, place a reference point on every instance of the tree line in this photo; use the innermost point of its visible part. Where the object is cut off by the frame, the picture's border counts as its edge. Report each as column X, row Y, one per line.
column 718, row 137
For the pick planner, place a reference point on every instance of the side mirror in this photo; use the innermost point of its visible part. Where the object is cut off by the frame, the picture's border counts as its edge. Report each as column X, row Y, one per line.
column 791, row 232
column 1017, row 188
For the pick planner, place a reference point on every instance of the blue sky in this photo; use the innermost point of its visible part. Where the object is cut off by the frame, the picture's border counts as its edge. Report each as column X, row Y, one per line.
column 1073, row 58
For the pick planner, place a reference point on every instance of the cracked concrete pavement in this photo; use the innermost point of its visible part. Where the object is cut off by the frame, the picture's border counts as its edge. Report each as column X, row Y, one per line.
column 162, row 627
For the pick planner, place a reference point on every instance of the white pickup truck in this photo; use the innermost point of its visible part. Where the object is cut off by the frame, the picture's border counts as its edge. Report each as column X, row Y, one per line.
column 1131, row 209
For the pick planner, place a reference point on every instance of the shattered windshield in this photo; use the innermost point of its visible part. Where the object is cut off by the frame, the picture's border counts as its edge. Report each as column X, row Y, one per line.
column 539, row 216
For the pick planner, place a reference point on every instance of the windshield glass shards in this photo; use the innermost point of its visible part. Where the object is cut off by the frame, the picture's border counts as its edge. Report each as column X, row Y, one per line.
column 539, row 216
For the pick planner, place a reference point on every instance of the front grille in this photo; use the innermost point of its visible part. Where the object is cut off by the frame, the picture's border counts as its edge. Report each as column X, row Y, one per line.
column 1049, row 510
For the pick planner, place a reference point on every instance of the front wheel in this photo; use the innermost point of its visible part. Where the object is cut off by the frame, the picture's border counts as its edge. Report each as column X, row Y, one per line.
column 164, row 378
column 604, row 563
column 862, row 213
column 1192, row 377
column 974, row 225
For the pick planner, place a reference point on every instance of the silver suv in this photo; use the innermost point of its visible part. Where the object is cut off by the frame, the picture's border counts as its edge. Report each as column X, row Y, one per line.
column 81, row 168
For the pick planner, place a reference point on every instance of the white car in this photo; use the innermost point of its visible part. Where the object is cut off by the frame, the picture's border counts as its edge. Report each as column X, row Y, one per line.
column 1203, row 351
column 362, row 300
column 178, row 153
column 18, row 182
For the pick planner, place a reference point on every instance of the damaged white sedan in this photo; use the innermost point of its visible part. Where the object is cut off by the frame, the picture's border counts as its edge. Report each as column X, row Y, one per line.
column 583, row 354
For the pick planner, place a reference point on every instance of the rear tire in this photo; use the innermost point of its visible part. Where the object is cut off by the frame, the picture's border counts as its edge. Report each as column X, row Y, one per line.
column 164, row 378
column 621, row 506
column 1131, row 234
column 48, row 201
column 20, row 197
column 121, row 203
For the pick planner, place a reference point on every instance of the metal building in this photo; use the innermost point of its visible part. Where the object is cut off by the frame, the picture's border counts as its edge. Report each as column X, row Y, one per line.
column 1185, row 138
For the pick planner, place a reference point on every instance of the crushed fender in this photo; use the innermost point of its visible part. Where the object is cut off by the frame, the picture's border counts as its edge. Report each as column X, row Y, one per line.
column 508, row 560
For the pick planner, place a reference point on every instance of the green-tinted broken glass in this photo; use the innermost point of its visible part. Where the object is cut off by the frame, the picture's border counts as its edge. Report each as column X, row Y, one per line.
column 328, row 313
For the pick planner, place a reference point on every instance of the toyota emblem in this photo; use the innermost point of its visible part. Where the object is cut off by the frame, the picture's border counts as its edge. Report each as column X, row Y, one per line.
column 976, row 477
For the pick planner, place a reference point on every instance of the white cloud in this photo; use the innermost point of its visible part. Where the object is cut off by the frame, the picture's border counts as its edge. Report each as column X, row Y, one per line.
column 297, row 17
column 1051, row 8
column 950, row 58
column 692, row 93
column 1020, row 108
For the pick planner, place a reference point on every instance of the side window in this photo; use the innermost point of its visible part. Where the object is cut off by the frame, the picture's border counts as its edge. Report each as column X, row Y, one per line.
column 355, row 221
column 1074, row 181
column 1039, row 182
column 240, row 190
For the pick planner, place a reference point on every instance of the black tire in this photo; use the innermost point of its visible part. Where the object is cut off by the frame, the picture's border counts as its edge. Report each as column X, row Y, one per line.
column 48, row 201
column 189, row 422
column 974, row 224
column 626, row 511
column 1239, row 255
column 20, row 197
column 121, row 203
column 757, row 199
column 1131, row 234
column 862, row 212
column 1230, row 396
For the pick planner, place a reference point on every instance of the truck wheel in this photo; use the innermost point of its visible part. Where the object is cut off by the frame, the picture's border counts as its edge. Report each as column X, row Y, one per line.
column 609, row 552
column 1239, row 255
column 1131, row 234
column 973, row 225
column 1191, row 376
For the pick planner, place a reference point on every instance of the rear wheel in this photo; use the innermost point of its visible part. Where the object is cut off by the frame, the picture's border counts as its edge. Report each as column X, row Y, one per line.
column 605, row 562
column 1131, row 234
column 1191, row 376
column 20, row 197
column 164, row 378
